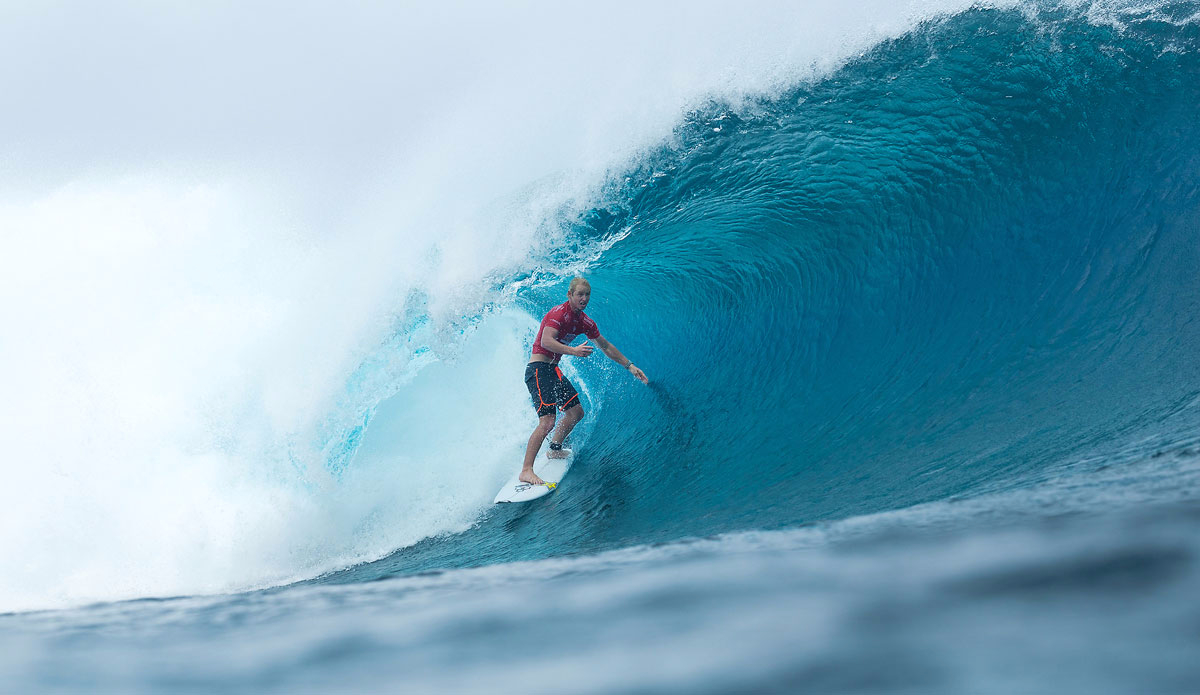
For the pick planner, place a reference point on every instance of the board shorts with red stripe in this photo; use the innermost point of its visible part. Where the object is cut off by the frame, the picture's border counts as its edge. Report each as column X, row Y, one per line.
column 549, row 388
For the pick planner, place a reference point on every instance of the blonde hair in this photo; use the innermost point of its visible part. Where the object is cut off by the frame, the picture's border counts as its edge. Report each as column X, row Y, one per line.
column 576, row 282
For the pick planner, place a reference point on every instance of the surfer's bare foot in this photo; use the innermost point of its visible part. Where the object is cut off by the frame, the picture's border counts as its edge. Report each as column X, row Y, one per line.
column 558, row 453
column 528, row 476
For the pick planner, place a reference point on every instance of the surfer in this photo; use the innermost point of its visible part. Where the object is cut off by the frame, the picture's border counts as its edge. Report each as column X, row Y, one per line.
column 547, row 385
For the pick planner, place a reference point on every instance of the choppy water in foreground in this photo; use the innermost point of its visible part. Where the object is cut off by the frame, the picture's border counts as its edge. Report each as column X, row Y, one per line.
column 1083, row 585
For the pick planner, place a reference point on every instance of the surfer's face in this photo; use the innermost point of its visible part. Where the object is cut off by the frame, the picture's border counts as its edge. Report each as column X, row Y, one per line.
column 579, row 298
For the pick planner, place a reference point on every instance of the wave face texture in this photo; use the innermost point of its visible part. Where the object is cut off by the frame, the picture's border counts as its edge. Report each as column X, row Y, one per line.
column 963, row 263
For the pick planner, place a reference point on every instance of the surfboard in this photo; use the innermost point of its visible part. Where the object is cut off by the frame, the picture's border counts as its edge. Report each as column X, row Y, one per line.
column 550, row 470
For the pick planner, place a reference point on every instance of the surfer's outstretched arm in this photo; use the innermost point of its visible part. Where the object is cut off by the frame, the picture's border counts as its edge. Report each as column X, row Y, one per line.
column 615, row 355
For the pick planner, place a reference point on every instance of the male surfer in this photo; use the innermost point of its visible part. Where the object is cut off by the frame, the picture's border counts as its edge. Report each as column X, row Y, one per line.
column 548, row 386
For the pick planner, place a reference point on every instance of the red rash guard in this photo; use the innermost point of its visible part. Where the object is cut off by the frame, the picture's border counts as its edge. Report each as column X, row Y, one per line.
column 569, row 324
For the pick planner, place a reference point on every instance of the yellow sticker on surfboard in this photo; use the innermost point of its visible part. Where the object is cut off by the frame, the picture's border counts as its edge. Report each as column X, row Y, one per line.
column 548, row 469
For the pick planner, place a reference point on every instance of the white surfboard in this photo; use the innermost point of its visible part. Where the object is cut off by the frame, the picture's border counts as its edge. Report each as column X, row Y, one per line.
column 550, row 470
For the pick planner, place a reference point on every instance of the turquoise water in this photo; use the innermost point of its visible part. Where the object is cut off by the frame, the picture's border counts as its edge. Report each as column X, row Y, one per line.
column 924, row 414
column 964, row 263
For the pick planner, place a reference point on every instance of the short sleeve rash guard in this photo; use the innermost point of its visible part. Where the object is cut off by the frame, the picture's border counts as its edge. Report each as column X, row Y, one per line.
column 569, row 324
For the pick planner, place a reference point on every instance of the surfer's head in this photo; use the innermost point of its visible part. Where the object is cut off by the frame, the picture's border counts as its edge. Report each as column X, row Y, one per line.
column 579, row 293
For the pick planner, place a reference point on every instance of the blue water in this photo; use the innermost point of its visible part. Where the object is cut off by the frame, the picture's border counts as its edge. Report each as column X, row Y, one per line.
column 963, row 264
column 924, row 412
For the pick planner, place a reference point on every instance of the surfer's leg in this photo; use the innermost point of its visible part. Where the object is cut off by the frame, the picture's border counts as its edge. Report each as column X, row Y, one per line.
column 567, row 399
column 571, row 417
column 545, row 424
column 541, row 378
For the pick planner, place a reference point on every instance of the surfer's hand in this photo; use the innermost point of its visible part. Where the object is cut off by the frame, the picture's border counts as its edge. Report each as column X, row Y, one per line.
column 583, row 350
column 639, row 374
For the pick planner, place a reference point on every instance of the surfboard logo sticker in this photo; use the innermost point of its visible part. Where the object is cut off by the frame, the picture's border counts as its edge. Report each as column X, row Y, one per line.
column 517, row 490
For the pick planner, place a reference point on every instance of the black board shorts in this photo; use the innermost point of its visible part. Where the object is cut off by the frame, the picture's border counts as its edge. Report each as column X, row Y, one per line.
column 549, row 388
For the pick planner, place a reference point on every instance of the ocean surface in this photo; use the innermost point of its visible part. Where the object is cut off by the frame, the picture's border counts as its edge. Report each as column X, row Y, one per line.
column 915, row 286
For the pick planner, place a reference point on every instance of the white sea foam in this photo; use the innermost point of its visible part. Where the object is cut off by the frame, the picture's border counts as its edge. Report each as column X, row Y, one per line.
column 212, row 215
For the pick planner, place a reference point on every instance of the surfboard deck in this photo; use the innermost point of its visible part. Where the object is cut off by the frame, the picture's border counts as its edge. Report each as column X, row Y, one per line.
column 550, row 470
